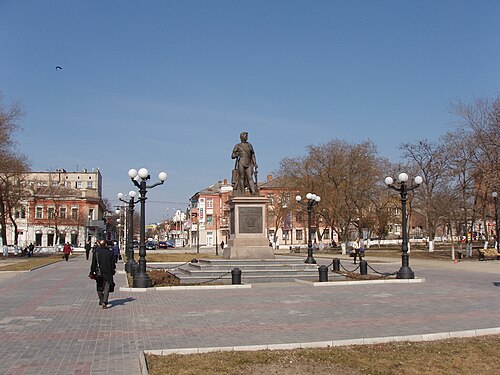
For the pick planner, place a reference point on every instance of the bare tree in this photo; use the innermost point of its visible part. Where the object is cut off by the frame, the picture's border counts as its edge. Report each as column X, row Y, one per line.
column 345, row 176
column 12, row 165
column 428, row 159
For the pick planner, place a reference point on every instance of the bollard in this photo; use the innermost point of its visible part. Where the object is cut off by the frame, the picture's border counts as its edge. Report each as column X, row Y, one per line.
column 323, row 273
column 236, row 276
column 363, row 267
column 336, row 265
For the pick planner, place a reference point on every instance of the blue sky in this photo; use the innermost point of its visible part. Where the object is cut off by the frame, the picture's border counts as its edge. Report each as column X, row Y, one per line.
column 169, row 85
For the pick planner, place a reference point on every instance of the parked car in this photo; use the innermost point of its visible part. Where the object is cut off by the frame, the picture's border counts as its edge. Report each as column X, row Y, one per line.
column 150, row 245
column 165, row 244
column 136, row 244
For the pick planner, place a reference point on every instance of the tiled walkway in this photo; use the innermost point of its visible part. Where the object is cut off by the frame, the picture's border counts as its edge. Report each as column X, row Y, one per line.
column 50, row 321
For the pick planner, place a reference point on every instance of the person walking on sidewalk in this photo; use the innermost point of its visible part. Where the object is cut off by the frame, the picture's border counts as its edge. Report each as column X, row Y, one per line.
column 66, row 251
column 103, row 266
column 88, row 247
column 116, row 251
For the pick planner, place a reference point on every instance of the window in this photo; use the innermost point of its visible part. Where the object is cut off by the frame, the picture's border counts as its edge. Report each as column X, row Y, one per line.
column 91, row 214
column 210, row 203
column 210, row 220
column 326, row 234
column 74, row 213
column 298, row 235
column 51, row 213
column 90, row 184
column 38, row 239
column 17, row 214
column 39, row 212
column 62, row 212
column 50, row 239
column 78, row 184
column 23, row 212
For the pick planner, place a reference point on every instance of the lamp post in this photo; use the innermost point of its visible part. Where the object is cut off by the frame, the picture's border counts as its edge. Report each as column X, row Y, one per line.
column 139, row 179
column 497, row 230
column 131, row 265
column 405, row 272
column 312, row 199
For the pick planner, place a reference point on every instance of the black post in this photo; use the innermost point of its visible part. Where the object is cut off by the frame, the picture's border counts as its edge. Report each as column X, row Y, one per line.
column 323, row 273
column 310, row 258
column 363, row 267
column 131, row 265
column 405, row 272
column 236, row 276
column 141, row 278
column 336, row 265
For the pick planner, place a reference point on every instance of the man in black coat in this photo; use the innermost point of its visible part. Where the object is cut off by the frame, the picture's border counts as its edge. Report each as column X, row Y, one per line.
column 103, row 265
column 88, row 247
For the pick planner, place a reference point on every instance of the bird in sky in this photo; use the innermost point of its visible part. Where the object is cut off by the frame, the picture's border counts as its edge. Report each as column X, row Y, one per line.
column 58, row 67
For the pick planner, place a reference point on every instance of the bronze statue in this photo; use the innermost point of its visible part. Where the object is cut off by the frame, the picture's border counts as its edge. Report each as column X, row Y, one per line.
column 245, row 167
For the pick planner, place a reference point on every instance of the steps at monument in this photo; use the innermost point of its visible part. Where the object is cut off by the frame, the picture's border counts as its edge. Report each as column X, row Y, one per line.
column 252, row 271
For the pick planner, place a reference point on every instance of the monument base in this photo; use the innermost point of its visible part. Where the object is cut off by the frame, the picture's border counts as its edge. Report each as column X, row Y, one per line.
column 248, row 236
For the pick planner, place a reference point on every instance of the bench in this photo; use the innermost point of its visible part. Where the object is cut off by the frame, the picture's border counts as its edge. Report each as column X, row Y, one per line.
column 485, row 254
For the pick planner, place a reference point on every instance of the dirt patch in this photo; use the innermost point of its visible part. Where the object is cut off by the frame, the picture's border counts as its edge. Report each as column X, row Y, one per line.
column 163, row 278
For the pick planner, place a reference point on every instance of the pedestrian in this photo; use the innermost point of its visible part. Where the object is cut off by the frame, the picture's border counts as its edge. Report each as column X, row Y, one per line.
column 222, row 245
column 66, row 251
column 87, row 249
column 31, row 248
column 116, row 251
column 103, row 266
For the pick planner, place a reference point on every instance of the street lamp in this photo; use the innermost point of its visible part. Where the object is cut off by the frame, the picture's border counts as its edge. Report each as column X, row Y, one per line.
column 139, row 179
column 497, row 230
column 312, row 199
column 131, row 265
column 405, row 272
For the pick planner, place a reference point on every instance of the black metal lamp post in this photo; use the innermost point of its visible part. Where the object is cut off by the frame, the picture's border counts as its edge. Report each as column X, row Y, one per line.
column 405, row 272
column 139, row 178
column 497, row 230
column 312, row 199
column 131, row 265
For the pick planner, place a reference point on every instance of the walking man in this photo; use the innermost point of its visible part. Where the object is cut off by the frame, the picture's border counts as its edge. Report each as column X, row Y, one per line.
column 103, row 265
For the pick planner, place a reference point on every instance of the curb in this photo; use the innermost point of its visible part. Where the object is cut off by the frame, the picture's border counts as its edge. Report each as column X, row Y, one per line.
column 333, row 343
column 368, row 282
column 186, row 287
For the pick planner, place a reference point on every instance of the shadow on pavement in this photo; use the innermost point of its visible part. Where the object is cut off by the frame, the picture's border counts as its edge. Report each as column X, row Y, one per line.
column 121, row 301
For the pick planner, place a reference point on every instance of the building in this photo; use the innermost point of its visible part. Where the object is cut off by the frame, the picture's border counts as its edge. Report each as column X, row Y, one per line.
column 59, row 207
column 286, row 221
column 209, row 215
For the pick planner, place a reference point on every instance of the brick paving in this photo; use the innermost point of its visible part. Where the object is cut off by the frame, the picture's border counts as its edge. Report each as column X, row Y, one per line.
column 50, row 321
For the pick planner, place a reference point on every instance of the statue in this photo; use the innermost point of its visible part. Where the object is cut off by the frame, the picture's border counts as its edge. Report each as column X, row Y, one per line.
column 245, row 167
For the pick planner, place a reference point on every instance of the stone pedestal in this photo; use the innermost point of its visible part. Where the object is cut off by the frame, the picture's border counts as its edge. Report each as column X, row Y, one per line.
column 248, row 238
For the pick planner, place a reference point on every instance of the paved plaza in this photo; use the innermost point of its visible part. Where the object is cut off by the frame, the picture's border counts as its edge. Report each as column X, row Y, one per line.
column 50, row 321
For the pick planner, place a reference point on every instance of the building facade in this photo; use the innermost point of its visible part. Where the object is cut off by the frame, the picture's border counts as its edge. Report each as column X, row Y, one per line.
column 59, row 207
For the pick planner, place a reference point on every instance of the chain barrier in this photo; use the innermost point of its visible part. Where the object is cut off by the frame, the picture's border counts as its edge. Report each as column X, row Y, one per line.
column 166, row 269
column 200, row 283
column 345, row 269
column 382, row 273
column 209, row 281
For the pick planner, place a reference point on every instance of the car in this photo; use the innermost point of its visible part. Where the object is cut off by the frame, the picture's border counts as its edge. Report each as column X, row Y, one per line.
column 150, row 245
column 166, row 244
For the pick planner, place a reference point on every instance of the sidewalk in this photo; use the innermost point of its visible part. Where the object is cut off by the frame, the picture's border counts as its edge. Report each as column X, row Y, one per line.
column 50, row 321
